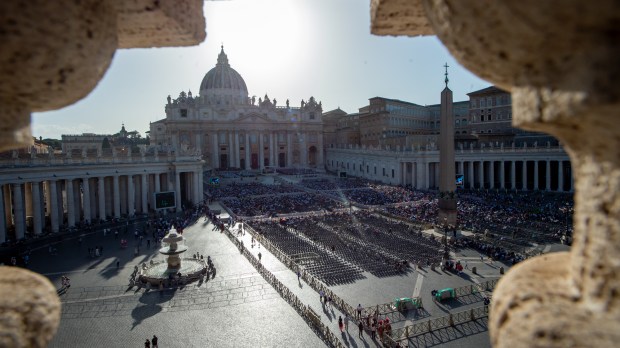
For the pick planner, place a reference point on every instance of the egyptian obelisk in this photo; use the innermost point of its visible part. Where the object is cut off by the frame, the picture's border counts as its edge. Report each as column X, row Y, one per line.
column 447, row 175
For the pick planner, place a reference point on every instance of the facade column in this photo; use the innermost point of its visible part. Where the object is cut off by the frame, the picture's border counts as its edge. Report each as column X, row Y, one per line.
column 231, row 155
column 289, row 149
column 427, row 174
column 481, row 174
column 197, row 190
column 101, row 194
column 248, row 151
column 36, row 208
column 131, row 196
column 2, row 216
column 492, row 174
column 513, row 175
column 86, row 199
column 472, row 179
column 70, row 202
column 271, row 149
column 502, row 175
column 18, row 212
column 117, row 197
column 548, row 176
column 54, row 205
column 536, row 186
column 177, row 189
column 28, row 200
column 261, row 152
column 320, row 151
column 198, row 142
column 561, row 176
column 303, row 144
column 524, row 184
column 144, row 193
column 200, row 187
column 216, row 158
column 236, row 150
column 156, row 188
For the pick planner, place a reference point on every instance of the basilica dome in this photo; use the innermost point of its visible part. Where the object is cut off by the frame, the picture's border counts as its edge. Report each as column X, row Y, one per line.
column 224, row 85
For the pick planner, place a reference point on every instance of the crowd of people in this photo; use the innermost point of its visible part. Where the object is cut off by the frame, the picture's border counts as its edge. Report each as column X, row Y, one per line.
column 280, row 204
column 248, row 189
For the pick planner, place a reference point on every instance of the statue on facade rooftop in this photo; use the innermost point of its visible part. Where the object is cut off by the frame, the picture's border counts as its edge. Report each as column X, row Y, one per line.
column 169, row 99
column 287, row 103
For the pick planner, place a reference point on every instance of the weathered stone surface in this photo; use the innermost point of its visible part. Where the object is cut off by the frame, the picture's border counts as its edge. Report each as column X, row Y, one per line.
column 399, row 17
column 55, row 52
column 155, row 23
column 559, row 60
column 29, row 308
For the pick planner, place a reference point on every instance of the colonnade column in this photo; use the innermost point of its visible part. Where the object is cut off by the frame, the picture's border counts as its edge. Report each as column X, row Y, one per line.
column 524, row 172
column 548, row 176
column 427, row 174
column 54, row 205
column 101, row 193
column 144, row 192
column 231, row 157
column 492, row 174
column 502, row 175
column 289, row 149
column 248, row 150
column 177, row 190
column 36, row 208
column 513, row 175
column 2, row 216
column 70, row 202
column 261, row 151
column 471, row 174
column 561, row 176
column 271, row 150
column 237, row 151
column 156, row 188
column 18, row 212
column 131, row 196
column 117, row 197
column 86, row 199
column 196, row 189
column 216, row 160
column 481, row 174
column 536, row 186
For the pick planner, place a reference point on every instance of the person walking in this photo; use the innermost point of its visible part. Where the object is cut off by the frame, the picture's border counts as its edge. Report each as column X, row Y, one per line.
column 360, row 326
column 147, row 343
column 298, row 276
column 359, row 310
column 373, row 330
column 154, row 342
column 340, row 324
column 118, row 263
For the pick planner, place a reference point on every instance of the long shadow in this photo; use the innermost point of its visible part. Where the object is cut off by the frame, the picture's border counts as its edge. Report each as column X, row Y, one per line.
column 445, row 335
column 143, row 312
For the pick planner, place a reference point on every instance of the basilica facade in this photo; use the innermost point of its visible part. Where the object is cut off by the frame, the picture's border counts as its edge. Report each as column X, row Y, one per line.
column 232, row 130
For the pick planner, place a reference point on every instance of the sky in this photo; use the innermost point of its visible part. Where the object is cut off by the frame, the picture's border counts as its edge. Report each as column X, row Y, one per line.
column 288, row 49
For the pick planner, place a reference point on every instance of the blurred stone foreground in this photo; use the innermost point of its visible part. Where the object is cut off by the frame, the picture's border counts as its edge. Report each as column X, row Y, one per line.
column 53, row 54
column 558, row 58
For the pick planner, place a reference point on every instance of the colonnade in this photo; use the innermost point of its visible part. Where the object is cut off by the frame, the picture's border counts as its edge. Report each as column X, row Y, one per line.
column 37, row 205
column 255, row 149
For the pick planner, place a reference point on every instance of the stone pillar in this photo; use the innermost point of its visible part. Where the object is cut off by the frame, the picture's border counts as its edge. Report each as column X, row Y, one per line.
column 237, row 151
column 321, row 151
column 271, row 150
column 198, row 141
column 131, row 196
column 216, row 158
column 513, row 175
column 48, row 199
column 492, row 174
column 481, row 174
column 2, row 216
column 524, row 172
column 101, row 197
column 18, row 212
column 177, row 190
column 27, row 200
column 472, row 179
column 303, row 149
column 289, row 150
column 261, row 151
column 548, row 176
column 536, row 186
column 86, row 199
column 70, row 194
column 156, row 188
column 248, row 151
column 117, row 197
column 53, row 185
column 37, row 218
column 561, row 176
column 197, row 189
column 502, row 175
column 144, row 193
column 427, row 175
column 231, row 155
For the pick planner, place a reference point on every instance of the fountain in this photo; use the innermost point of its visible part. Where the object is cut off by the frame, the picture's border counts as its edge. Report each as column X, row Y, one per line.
column 160, row 272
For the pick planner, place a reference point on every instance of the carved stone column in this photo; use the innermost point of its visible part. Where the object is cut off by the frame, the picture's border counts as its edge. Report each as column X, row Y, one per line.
column 559, row 60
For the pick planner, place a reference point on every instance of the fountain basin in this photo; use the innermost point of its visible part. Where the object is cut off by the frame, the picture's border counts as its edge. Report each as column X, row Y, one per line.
column 190, row 269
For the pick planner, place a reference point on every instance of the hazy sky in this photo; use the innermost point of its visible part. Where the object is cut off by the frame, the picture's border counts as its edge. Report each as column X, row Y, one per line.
column 289, row 49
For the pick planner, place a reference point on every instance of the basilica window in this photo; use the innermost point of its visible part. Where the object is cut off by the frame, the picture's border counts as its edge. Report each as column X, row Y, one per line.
column 183, row 112
column 312, row 115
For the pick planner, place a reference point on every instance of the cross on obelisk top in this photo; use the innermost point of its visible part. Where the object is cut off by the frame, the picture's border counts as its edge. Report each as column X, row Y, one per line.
column 446, row 80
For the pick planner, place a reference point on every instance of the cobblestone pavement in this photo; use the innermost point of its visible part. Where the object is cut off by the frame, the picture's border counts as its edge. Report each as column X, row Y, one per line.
column 237, row 308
